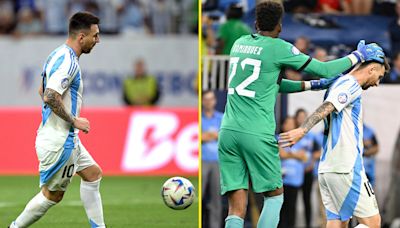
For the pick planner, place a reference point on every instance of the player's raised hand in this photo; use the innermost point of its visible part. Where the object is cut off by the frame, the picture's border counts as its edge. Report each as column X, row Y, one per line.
column 290, row 138
column 369, row 52
column 82, row 124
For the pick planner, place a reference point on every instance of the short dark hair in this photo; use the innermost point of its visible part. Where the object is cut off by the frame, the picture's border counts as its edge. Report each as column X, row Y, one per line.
column 82, row 20
column 385, row 64
column 268, row 15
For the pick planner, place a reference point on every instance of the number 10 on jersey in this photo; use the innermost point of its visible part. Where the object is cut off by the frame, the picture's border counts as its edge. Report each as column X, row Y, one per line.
column 241, row 88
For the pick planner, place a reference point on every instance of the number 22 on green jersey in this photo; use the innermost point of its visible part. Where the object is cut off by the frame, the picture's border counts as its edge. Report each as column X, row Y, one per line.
column 241, row 88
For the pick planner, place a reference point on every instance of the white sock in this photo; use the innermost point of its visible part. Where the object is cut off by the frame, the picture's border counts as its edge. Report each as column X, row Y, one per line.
column 91, row 199
column 33, row 211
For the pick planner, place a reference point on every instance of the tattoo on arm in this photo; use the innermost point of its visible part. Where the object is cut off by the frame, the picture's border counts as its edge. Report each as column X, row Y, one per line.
column 53, row 99
column 322, row 111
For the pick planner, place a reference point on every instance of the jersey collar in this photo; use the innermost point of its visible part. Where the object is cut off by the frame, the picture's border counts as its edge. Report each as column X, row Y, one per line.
column 71, row 50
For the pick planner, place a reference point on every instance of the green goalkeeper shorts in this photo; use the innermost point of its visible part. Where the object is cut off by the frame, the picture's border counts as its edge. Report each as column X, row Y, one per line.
column 243, row 155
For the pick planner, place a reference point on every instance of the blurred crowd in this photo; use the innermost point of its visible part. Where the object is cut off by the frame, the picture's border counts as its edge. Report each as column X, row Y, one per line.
column 158, row 17
column 223, row 22
column 333, row 52
column 346, row 7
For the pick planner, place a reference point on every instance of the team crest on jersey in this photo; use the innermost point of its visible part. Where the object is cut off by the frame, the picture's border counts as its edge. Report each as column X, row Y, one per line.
column 342, row 98
column 295, row 51
column 64, row 83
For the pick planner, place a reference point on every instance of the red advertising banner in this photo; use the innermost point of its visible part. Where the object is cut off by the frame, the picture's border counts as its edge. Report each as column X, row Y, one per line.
column 123, row 141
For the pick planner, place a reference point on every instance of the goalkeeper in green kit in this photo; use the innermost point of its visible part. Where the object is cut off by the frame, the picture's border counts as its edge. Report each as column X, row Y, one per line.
column 247, row 146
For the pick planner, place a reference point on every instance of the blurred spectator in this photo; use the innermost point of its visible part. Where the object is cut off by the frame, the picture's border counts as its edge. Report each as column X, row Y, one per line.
column 210, row 125
column 320, row 54
column 394, row 31
column 107, row 11
column 360, row 7
column 394, row 74
column 309, row 142
column 141, row 88
column 182, row 16
column 161, row 12
column 54, row 14
column 231, row 30
column 300, row 6
column 334, row 6
column 7, row 17
column 293, row 159
column 133, row 17
column 208, row 40
column 303, row 44
column 371, row 148
column 27, row 23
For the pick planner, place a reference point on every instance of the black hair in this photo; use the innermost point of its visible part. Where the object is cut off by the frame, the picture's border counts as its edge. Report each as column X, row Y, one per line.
column 234, row 12
column 268, row 15
column 80, row 21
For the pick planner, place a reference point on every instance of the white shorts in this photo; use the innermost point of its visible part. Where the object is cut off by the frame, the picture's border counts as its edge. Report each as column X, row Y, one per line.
column 58, row 167
column 347, row 194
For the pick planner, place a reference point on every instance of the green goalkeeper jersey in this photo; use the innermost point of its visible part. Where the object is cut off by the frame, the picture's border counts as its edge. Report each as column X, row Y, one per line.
column 256, row 62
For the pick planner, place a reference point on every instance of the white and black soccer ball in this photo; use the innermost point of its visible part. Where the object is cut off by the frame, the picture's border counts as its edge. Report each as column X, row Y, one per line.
column 178, row 193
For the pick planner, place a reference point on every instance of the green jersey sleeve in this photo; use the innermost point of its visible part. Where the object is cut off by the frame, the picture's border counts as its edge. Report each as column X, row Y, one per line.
column 328, row 69
column 289, row 86
column 289, row 56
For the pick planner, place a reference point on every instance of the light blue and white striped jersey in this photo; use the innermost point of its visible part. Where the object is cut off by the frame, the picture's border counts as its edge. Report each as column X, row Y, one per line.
column 343, row 135
column 62, row 73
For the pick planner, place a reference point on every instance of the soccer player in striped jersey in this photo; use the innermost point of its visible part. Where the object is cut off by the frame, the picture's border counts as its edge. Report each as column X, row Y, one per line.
column 59, row 150
column 247, row 147
column 345, row 189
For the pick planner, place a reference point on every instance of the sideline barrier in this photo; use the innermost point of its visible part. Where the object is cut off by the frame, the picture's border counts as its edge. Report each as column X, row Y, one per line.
column 124, row 141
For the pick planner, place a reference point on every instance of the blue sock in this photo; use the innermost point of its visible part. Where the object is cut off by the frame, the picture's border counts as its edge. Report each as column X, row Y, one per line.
column 234, row 221
column 269, row 217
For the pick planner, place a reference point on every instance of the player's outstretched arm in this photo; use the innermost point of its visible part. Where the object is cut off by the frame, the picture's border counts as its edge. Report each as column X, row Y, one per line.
column 291, row 137
column 329, row 69
column 290, row 86
column 364, row 52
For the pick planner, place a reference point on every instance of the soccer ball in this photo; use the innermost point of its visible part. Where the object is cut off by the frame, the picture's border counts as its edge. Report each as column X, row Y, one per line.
column 178, row 193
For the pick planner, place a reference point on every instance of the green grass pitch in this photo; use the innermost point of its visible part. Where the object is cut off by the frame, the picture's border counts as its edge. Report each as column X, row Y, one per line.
column 127, row 202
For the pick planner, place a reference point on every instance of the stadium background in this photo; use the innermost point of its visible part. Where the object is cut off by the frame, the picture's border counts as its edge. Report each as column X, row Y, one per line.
column 337, row 34
column 137, row 147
